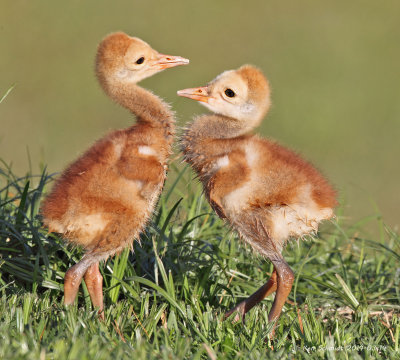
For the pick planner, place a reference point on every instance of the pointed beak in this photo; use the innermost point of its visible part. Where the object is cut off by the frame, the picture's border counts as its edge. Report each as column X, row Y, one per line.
column 198, row 94
column 169, row 61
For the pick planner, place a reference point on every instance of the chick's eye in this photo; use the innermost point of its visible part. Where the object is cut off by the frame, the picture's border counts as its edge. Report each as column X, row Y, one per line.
column 140, row 60
column 229, row 93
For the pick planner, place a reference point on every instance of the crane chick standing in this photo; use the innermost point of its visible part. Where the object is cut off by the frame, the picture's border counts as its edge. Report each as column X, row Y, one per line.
column 263, row 190
column 104, row 199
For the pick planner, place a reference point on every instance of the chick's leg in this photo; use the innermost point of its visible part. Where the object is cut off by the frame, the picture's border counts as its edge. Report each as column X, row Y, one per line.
column 73, row 278
column 94, row 283
column 285, row 278
column 267, row 289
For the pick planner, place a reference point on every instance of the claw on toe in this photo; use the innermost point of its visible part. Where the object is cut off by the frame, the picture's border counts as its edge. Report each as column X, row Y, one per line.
column 239, row 317
column 269, row 340
column 240, row 313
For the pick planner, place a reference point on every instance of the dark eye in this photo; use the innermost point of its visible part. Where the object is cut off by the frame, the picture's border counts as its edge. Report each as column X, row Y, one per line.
column 140, row 60
column 229, row 93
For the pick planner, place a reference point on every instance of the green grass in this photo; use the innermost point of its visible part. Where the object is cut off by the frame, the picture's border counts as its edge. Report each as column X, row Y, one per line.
column 166, row 300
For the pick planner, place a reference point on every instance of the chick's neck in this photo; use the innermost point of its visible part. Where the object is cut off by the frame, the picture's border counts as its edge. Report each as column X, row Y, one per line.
column 216, row 127
column 148, row 108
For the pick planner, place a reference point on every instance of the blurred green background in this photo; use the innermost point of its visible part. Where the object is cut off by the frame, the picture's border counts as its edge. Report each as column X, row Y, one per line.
column 333, row 66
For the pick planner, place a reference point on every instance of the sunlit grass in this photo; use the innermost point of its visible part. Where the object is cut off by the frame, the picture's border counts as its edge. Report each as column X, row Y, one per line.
column 168, row 297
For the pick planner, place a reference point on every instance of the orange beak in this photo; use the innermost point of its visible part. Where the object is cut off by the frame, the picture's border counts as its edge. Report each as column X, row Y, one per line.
column 169, row 61
column 198, row 94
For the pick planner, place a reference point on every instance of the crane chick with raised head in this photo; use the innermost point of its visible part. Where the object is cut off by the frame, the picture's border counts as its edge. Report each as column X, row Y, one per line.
column 263, row 190
column 103, row 200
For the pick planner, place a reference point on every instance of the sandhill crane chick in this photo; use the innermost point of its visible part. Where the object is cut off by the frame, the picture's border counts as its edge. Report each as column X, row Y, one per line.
column 103, row 200
column 263, row 190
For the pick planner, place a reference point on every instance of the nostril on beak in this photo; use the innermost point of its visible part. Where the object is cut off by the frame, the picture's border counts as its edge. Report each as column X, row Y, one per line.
column 168, row 58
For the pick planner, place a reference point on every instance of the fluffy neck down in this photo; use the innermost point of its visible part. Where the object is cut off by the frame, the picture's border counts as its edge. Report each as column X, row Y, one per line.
column 215, row 127
column 147, row 107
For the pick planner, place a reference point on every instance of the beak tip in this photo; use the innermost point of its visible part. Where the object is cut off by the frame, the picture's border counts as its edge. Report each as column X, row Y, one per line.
column 184, row 61
column 198, row 94
column 169, row 61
